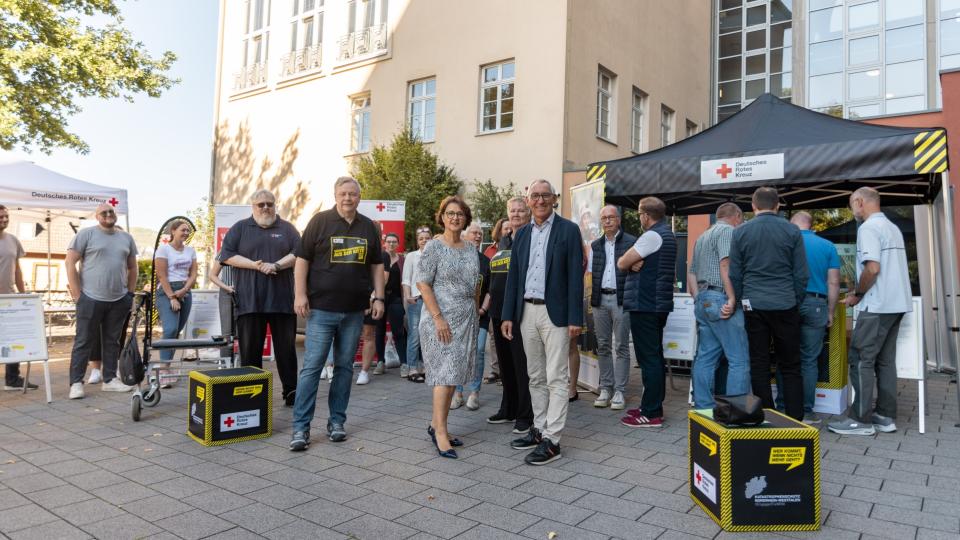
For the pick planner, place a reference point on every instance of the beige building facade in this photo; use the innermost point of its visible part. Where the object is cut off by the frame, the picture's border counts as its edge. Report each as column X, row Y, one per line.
column 500, row 90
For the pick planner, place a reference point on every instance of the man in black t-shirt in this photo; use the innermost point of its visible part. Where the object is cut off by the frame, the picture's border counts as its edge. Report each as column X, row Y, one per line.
column 260, row 250
column 338, row 263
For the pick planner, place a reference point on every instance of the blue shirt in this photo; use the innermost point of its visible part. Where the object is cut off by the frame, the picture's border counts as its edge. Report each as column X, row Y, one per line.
column 535, row 286
column 821, row 257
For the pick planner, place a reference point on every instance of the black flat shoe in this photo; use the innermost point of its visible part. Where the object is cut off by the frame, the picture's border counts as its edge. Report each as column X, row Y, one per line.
column 433, row 435
column 574, row 398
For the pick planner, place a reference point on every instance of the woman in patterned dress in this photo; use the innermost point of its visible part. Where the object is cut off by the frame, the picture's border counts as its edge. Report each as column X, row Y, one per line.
column 448, row 330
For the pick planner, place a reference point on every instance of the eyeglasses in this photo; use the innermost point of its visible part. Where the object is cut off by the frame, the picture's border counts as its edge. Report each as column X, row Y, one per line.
column 423, row 230
column 608, row 218
column 454, row 215
column 106, row 213
column 541, row 196
column 262, row 205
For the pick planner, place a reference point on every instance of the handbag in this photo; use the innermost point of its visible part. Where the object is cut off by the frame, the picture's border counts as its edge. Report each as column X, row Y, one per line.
column 739, row 410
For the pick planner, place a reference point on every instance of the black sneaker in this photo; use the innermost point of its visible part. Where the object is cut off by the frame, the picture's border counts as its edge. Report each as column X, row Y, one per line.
column 18, row 385
column 336, row 432
column 300, row 441
column 530, row 440
column 545, row 453
column 521, row 428
column 499, row 418
column 290, row 398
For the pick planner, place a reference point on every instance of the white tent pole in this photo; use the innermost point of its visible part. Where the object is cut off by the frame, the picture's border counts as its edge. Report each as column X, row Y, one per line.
column 933, row 242
column 49, row 222
column 952, row 270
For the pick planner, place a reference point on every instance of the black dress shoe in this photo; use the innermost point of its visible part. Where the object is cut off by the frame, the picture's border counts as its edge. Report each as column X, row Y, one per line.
column 574, row 398
column 290, row 398
column 433, row 435
column 545, row 453
column 500, row 418
column 530, row 440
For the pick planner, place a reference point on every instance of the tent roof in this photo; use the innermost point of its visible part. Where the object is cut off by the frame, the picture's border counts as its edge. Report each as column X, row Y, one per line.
column 27, row 186
column 813, row 159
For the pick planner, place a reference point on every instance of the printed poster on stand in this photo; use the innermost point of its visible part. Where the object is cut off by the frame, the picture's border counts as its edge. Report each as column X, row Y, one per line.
column 586, row 200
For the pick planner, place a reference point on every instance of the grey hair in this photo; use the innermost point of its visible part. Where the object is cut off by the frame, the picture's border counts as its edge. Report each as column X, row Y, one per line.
column 615, row 208
column 516, row 200
column 345, row 179
column 263, row 194
column 473, row 225
column 542, row 181
column 868, row 194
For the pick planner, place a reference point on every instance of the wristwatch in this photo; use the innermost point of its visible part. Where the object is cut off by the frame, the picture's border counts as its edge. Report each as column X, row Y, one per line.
column 379, row 300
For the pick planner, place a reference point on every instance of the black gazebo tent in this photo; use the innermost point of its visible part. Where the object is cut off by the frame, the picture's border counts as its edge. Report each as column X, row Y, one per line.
column 814, row 160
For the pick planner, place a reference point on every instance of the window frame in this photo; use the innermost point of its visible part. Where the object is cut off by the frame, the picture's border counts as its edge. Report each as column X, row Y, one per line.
column 424, row 99
column 610, row 96
column 668, row 119
column 637, row 117
column 360, row 140
column 498, row 83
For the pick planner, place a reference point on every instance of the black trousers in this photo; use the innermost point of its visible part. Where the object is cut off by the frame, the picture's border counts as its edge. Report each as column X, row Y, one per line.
column 515, row 402
column 252, row 330
column 783, row 328
column 647, row 331
column 394, row 313
column 105, row 319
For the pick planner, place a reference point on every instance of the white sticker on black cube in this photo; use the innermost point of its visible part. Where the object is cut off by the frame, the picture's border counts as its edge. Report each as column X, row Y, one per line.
column 705, row 482
column 240, row 420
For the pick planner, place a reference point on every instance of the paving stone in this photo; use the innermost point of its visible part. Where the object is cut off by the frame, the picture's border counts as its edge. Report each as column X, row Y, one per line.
column 617, row 526
column 121, row 528
column 945, row 508
column 336, row 491
column 485, row 532
column 920, row 519
column 325, row 513
column 181, row 487
column 280, row 497
column 84, row 512
column 11, row 499
column 395, row 487
column 94, row 480
column 850, row 506
column 236, row 533
column 156, row 507
column 500, row 517
column 437, row 523
column 22, row 517
column 884, row 529
column 678, row 521
column 217, row 501
column 206, row 471
column 612, row 505
column 653, row 481
column 892, row 499
column 543, row 528
column 497, row 477
column 444, row 481
column 554, row 510
column 557, row 492
column 61, row 469
column 294, row 478
column 444, row 501
column 599, row 485
column 931, row 534
column 383, row 506
column 241, row 483
column 350, row 474
column 48, row 457
column 59, row 530
column 194, row 524
column 58, row 496
column 496, row 494
column 302, row 528
column 258, row 517
column 679, row 503
column 124, row 492
column 369, row 526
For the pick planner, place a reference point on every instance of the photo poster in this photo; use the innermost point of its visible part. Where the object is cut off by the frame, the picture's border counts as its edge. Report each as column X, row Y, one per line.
column 204, row 319
column 391, row 215
column 23, row 337
column 848, row 269
column 680, row 333
column 586, row 200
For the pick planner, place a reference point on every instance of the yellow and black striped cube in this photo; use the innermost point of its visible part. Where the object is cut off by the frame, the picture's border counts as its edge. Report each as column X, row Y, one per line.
column 755, row 479
column 229, row 405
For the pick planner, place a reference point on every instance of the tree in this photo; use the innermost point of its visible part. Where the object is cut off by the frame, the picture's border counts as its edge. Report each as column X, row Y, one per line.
column 489, row 202
column 204, row 238
column 48, row 61
column 406, row 170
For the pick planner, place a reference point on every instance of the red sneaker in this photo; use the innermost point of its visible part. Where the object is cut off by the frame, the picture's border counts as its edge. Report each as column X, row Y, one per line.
column 642, row 421
column 633, row 412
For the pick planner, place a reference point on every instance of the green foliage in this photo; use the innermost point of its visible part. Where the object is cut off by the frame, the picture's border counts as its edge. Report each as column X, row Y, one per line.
column 489, row 202
column 826, row 219
column 406, row 170
column 49, row 61
column 204, row 238
column 144, row 267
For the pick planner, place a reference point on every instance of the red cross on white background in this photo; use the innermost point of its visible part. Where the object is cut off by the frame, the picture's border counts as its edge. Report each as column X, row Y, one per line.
column 699, row 478
column 380, row 207
column 113, row 201
column 229, row 421
column 723, row 171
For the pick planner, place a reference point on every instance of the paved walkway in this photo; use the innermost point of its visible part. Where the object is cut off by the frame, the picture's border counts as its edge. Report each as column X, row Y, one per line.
column 75, row 469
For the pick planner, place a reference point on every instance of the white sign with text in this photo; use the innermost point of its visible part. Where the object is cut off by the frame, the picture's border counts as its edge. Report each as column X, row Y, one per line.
column 741, row 169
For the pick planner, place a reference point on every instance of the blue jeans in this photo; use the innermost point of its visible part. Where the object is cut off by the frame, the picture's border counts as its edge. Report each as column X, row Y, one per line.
column 172, row 321
column 718, row 336
column 413, row 333
column 474, row 385
column 813, row 326
column 326, row 329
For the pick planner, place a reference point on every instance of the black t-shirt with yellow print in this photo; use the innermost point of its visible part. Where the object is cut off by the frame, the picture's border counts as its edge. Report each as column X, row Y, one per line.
column 340, row 255
column 499, row 266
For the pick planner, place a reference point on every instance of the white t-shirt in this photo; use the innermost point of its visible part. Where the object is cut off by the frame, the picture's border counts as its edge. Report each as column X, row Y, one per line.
column 410, row 275
column 178, row 262
column 648, row 243
column 879, row 240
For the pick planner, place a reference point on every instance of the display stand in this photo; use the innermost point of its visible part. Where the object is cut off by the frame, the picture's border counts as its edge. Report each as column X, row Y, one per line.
column 23, row 337
column 911, row 362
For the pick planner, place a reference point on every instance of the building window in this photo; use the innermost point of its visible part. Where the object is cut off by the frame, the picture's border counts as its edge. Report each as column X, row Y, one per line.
column 606, row 115
column 366, row 30
column 421, row 115
column 666, row 125
column 496, row 97
column 256, row 45
column 692, row 129
column 306, row 38
column 360, row 124
column 637, row 114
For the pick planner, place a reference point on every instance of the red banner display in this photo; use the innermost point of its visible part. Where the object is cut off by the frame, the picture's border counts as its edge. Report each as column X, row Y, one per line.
column 391, row 215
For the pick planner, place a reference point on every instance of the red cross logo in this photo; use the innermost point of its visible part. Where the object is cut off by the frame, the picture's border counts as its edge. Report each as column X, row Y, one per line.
column 699, row 478
column 723, row 171
column 113, row 201
column 229, row 421
column 380, row 207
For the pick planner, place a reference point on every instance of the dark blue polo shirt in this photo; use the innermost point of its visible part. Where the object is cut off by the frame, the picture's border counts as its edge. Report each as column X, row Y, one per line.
column 256, row 291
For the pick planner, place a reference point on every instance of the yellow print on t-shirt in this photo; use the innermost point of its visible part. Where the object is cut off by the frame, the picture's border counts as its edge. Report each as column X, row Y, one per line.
column 348, row 250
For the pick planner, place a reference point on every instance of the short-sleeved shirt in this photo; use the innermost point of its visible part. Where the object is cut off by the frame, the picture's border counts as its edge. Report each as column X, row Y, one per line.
column 410, row 275
column 821, row 258
column 711, row 248
column 340, row 255
column 178, row 262
column 10, row 251
column 257, row 292
column 484, row 281
column 103, row 262
column 879, row 240
column 499, row 267
column 648, row 243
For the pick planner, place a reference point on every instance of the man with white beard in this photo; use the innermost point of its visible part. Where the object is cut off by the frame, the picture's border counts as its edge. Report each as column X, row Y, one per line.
column 260, row 249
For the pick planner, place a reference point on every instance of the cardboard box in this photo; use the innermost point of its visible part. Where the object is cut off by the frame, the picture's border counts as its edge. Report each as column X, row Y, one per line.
column 229, row 405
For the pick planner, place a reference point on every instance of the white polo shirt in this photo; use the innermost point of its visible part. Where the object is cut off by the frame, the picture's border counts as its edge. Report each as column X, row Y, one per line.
column 879, row 240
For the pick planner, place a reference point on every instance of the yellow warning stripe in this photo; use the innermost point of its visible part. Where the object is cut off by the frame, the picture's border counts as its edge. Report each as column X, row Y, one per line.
column 596, row 172
column 837, row 351
column 938, row 164
column 930, row 153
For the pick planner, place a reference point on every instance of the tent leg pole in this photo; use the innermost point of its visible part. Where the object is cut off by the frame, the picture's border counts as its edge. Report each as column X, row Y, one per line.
column 952, row 270
column 934, row 290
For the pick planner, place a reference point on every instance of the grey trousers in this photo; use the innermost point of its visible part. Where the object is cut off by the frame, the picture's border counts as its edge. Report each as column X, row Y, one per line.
column 873, row 360
column 610, row 323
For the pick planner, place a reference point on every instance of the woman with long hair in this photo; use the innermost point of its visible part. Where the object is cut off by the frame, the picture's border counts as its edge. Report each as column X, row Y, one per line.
column 393, row 311
column 448, row 330
column 177, row 272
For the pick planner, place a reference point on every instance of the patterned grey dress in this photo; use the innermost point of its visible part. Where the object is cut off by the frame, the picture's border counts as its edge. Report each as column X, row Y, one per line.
column 452, row 272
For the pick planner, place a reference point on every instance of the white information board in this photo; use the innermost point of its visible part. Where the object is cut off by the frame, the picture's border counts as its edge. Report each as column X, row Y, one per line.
column 680, row 333
column 910, row 357
column 204, row 319
column 22, row 337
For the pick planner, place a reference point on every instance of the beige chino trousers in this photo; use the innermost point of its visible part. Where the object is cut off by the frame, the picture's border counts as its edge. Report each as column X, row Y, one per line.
column 546, row 347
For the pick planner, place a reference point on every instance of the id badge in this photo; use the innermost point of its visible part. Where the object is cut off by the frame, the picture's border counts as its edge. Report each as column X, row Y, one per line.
column 746, row 305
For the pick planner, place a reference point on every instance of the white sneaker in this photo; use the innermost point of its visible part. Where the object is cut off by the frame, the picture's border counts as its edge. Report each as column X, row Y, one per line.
column 95, row 376
column 378, row 369
column 456, row 402
column 473, row 402
column 617, row 403
column 329, row 371
column 603, row 400
column 404, row 371
column 363, row 378
column 115, row 385
column 76, row 390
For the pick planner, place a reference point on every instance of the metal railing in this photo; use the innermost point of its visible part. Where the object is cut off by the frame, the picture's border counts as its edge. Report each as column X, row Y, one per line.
column 250, row 76
column 300, row 60
column 363, row 42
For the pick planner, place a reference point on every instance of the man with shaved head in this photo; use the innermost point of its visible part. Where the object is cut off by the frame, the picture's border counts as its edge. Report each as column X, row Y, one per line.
column 881, row 297
column 103, row 291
